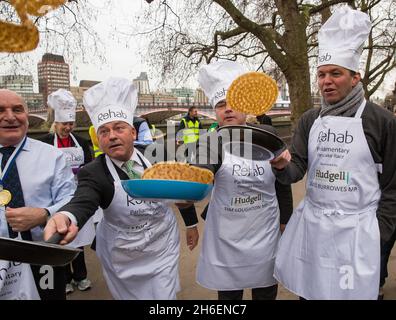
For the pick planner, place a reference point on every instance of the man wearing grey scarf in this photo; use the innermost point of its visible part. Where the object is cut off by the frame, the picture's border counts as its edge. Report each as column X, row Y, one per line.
column 342, row 96
column 337, row 145
column 347, row 107
column 346, row 149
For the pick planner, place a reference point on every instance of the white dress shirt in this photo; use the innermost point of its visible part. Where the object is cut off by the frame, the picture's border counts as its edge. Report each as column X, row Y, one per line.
column 137, row 163
column 144, row 136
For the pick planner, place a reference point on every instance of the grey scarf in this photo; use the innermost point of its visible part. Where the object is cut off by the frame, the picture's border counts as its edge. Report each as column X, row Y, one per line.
column 347, row 107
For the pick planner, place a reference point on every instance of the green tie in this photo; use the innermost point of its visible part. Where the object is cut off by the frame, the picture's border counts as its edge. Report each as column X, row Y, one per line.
column 132, row 173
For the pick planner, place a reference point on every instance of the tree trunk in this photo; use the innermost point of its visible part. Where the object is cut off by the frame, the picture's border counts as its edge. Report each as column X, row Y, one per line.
column 295, row 68
column 300, row 92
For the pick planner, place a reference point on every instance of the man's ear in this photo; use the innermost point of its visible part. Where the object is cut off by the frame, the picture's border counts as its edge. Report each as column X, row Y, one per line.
column 134, row 133
column 356, row 79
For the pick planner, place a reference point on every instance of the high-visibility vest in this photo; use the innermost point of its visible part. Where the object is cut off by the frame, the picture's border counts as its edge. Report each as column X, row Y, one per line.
column 95, row 143
column 191, row 131
column 97, row 151
column 152, row 130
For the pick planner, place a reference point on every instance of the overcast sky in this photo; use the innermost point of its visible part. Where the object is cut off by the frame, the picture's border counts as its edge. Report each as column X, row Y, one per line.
column 123, row 58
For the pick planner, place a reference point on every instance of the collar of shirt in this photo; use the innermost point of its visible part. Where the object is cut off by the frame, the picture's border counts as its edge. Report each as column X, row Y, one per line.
column 25, row 147
column 137, row 165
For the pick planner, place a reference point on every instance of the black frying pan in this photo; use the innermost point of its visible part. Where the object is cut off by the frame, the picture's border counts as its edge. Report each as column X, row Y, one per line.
column 251, row 142
column 37, row 253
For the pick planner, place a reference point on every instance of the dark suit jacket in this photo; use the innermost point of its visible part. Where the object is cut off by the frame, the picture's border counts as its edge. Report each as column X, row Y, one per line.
column 95, row 189
column 49, row 138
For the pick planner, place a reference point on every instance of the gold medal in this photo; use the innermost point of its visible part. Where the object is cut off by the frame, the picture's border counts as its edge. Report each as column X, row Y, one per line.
column 5, row 197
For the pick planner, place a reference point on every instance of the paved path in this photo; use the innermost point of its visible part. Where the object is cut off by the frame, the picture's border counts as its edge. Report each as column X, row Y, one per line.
column 190, row 290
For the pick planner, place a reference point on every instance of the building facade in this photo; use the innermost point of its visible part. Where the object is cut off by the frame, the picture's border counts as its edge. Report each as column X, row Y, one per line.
column 142, row 83
column 53, row 74
column 34, row 101
column 23, row 85
column 200, row 97
column 184, row 95
column 156, row 98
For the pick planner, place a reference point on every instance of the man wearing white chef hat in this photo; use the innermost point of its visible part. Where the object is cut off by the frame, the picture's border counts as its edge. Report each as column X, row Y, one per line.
column 331, row 246
column 216, row 77
column 247, row 207
column 137, row 242
column 78, row 153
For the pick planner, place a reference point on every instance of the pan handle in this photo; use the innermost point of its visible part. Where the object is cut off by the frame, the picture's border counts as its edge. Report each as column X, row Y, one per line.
column 55, row 238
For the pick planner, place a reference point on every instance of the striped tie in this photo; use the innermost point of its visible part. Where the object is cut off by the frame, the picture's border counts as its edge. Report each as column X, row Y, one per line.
column 132, row 173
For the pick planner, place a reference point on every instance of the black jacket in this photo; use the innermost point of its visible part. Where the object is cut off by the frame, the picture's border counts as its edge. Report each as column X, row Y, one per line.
column 95, row 189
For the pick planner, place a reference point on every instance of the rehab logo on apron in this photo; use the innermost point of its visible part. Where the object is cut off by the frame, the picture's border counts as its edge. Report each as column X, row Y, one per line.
column 17, row 282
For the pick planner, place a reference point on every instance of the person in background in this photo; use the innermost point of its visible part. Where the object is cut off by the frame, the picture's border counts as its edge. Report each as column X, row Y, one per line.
column 189, row 126
column 142, row 128
column 78, row 153
column 75, row 148
column 39, row 181
column 187, row 134
column 239, row 247
column 153, row 129
column 94, row 141
column 331, row 246
column 149, row 125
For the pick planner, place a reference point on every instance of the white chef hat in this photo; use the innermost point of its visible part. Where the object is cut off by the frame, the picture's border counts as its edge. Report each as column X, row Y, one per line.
column 64, row 105
column 112, row 100
column 342, row 37
column 215, row 79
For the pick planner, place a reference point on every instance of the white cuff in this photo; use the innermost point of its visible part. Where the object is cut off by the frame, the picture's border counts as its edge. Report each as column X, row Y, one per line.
column 192, row 226
column 70, row 216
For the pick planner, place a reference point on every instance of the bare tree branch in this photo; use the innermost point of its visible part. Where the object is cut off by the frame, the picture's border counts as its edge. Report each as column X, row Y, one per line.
column 327, row 4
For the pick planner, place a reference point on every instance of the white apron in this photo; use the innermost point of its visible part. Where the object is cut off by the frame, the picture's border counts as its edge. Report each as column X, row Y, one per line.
column 138, row 245
column 17, row 282
column 74, row 155
column 16, row 279
column 242, row 229
column 98, row 216
column 331, row 246
column 75, row 158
